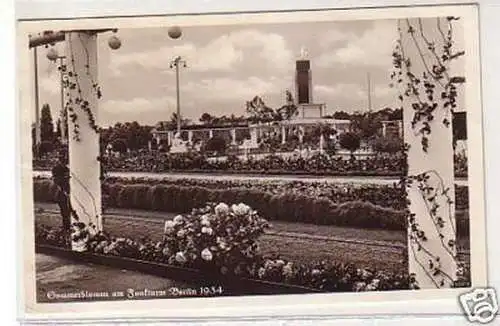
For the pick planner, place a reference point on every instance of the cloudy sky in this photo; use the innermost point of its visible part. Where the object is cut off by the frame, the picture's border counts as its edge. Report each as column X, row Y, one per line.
column 228, row 65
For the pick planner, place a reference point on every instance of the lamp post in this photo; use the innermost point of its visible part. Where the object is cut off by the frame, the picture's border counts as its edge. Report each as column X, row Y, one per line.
column 175, row 63
column 53, row 56
column 37, row 112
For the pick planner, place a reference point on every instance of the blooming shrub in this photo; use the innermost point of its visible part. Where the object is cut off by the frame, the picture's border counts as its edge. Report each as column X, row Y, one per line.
column 220, row 236
column 223, row 240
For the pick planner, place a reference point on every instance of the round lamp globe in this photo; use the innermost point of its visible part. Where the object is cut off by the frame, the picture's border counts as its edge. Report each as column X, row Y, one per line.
column 114, row 42
column 174, row 32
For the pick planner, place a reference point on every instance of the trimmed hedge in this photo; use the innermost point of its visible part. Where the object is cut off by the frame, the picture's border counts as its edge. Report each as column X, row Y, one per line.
column 390, row 196
column 284, row 207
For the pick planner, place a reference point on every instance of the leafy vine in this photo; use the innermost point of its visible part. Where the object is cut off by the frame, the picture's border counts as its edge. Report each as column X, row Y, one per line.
column 431, row 90
column 71, row 82
column 434, row 83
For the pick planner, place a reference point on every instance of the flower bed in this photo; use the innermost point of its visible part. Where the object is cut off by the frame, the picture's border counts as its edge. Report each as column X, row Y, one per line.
column 222, row 239
column 317, row 164
column 284, row 206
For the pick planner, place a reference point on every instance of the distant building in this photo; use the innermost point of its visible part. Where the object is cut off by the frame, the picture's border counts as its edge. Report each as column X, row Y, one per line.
column 310, row 115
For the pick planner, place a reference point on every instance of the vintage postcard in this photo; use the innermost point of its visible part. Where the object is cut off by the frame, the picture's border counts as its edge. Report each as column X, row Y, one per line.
column 249, row 159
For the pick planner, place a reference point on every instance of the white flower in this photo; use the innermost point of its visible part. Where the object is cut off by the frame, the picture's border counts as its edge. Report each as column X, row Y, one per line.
column 178, row 219
column 169, row 227
column 206, row 254
column 366, row 274
column 240, row 209
column 205, row 221
column 180, row 258
column 262, row 272
column 221, row 209
column 375, row 283
column 315, row 272
column 359, row 286
column 288, row 270
column 207, row 230
column 370, row 287
column 181, row 233
column 92, row 232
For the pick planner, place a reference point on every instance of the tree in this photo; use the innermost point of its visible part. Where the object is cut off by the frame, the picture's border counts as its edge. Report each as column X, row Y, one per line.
column 172, row 124
column 367, row 124
column 58, row 129
column 206, row 118
column 350, row 141
column 46, row 147
column 46, row 124
column 342, row 115
column 386, row 144
column 289, row 110
column 259, row 111
column 120, row 145
column 216, row 144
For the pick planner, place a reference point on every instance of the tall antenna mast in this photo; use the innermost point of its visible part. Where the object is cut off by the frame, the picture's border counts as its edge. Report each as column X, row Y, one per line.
column 369, row 92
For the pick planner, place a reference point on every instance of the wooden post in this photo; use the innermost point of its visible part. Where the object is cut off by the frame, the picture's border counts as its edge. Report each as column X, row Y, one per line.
column 85, row 183
column 432, row 258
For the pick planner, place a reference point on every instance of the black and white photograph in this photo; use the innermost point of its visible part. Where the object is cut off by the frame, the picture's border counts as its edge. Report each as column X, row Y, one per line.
column 255, row 155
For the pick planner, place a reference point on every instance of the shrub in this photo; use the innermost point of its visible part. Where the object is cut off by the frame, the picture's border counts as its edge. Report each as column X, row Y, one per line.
column 350, row 141
column 291, row 207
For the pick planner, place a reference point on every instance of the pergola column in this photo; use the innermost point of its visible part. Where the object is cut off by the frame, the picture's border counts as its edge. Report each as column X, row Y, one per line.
column 85, row 183
column 253, row 135
column 233, row 136
column 169, row 138
column 432, row 224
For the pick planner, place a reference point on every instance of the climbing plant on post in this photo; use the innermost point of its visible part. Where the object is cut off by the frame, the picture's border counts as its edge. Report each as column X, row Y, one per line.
column 425, row 74
column 82, row 95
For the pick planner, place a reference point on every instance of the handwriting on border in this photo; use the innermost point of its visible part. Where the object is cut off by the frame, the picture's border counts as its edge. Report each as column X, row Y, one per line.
column 203, row 291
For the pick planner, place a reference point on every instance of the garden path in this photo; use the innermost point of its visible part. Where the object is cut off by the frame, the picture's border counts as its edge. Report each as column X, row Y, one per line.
column 234, row 177
column 56, row 276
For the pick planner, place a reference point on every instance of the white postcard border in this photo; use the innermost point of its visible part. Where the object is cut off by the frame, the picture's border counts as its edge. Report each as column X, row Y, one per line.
column 332, row 304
